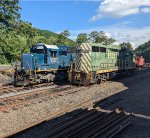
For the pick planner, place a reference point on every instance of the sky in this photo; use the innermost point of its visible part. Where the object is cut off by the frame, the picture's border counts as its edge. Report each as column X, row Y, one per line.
column 124, row 20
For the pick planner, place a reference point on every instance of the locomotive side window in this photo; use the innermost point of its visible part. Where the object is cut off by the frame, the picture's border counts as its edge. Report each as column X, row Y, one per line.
column 98, row 49
column 95, row 49
column 71, row 50
column 53, row 54
column 63, row 53
column 102, row 49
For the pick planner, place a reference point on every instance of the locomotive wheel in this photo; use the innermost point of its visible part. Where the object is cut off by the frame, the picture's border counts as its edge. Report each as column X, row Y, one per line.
column 98, row 81
column 86, row 83
column 104, row 78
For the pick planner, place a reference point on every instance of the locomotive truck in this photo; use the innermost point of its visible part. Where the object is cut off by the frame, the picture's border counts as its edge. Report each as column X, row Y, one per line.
column 96, row 62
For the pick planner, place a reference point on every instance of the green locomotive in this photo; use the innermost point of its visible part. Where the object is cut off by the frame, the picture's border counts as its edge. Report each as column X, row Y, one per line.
column 96, row 62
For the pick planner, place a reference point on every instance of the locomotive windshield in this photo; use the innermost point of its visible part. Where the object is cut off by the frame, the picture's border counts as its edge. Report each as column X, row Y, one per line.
column 37, row 49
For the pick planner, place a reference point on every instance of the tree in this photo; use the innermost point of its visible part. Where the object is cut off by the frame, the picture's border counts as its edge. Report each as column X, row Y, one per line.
column 12, row 46
column 93, row 35
column 142, row 48
column 26, row 29
column 9, row 13
column 127, row 45
column 100, row 37
column 65, row 33
column 63, row 40
column 82, row 38
column 109, row 41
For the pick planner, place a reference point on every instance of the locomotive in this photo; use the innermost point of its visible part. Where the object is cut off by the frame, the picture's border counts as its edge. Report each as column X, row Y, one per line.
column 45, row 63
column 96, row 62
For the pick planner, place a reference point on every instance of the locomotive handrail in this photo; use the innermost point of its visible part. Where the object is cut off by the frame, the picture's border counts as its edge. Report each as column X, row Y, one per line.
column 29, row 66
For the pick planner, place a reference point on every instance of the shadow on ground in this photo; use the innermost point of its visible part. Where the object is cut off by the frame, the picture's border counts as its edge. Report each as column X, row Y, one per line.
column 136, row 100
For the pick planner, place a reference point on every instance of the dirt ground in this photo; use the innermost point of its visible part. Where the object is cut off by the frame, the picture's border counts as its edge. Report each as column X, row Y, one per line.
column 133, row 91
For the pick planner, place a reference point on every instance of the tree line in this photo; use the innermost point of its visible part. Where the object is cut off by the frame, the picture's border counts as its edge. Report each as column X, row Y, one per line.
column 17, row 36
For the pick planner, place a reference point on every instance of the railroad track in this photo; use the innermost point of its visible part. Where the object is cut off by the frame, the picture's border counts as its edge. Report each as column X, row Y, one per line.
column 24, row 99
column 9, row 88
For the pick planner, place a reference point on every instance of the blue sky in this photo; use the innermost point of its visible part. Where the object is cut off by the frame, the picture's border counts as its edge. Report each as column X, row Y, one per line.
column 121, row 19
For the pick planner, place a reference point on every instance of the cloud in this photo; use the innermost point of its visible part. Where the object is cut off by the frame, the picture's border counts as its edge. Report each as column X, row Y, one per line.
column 121, row 8
column 145, row 10
column 121, row 32
column 136, row 36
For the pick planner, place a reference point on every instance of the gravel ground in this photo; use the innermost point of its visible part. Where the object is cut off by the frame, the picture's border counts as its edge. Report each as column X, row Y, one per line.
column 5, row 79
column 5, row 67
column 6, row 72
column 129, row 89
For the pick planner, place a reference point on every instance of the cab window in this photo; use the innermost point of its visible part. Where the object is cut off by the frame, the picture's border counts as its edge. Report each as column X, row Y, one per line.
column 53, row 54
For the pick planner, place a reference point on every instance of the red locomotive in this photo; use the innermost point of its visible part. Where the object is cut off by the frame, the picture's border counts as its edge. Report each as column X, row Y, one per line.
column 140, row 61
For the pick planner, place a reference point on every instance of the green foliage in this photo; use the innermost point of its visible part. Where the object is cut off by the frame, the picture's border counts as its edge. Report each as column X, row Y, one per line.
column 95, row 37
column 9, row 13
column 143, row 48
column 14, row 43
column 65, row 33
column 46, row 33
column 82, row 38
column 26, row 29
column 128, row 45
column 100, row 37
column 63, row 40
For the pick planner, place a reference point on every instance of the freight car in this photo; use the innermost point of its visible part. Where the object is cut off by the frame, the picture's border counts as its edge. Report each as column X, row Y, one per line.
column 140, row 61
column 45, row 63
column 96, row 62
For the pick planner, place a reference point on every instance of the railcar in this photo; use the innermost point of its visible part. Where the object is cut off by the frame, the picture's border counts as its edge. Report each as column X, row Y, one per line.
column 96, row 62
column 140, row 61
column 44, row 63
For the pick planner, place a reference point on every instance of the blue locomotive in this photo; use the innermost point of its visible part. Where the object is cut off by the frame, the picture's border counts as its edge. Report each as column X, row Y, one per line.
column 45, row 63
